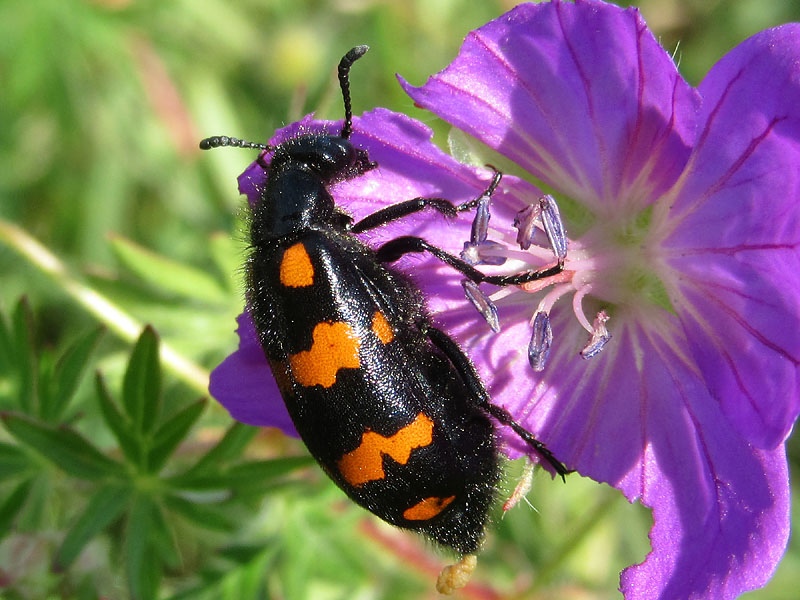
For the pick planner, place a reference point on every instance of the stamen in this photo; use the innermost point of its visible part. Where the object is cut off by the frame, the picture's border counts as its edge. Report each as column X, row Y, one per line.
column 525, row 222
column 577, row 308
column 479, row 251
column 541, row 341
column 480, row 224
column 482, row 302
column 553, row 226
column 600, row 336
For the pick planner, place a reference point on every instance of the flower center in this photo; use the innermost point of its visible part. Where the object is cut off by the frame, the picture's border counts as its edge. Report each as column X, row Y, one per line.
column 608, row 271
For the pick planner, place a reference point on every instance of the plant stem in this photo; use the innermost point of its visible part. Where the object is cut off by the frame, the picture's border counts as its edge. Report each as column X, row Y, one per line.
column 108, row 313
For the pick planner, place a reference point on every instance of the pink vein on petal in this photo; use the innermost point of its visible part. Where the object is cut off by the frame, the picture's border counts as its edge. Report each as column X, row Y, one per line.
column 602, row 150
column 729, row 250
column 548, row 163
column 743, row 322
column 637, row 128
column 720, row 183
column 719, row 347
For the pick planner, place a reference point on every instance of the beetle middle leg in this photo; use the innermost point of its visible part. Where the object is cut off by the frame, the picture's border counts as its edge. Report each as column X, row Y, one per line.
column 394, row 249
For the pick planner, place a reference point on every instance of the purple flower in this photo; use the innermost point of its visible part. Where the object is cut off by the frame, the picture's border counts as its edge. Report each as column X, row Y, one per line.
column 681, row 207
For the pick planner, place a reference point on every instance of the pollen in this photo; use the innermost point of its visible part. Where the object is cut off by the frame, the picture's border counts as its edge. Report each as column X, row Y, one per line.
column 382, row 328
column 427, row 508
column 365, row 463
column 456, row 576
column 296, row 268
column 335, row 346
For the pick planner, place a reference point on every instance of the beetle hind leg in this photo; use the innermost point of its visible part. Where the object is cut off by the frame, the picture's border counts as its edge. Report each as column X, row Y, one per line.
column 479, row 395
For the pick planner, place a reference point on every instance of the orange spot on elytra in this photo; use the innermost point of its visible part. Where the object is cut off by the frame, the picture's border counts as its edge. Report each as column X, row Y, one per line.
column 335, row 346
column 365, row 463
column 296, row 267
column 382, row 328
column 427, row 508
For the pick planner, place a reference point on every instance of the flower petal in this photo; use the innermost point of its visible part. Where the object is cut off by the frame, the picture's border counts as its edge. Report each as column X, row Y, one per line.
column 720, row 505
column 244, row 384
column 581, row 95
column 639, row 417
column 735, row 236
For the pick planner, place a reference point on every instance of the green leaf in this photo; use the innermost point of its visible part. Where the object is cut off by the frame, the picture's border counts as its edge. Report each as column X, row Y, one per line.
column 24, row 356
column 141, row 564
column 68, row 373
column 7, row 352
column 228, row 448
column 119, row 425
column 12, row 461
column 166, row 544
column 171, row 433
column 141, row 388
column 249, row 477
column 205, row 515
column 64, row 447
column 105, row 506
column 166, row 274
column 12, row 505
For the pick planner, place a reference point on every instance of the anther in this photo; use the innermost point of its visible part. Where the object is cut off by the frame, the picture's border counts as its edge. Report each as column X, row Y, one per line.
column 541, row 341
column 478, row 250
column 525, row 222
column 553, row 226
column 600, row 336
column 481, row 301
column 480, row 224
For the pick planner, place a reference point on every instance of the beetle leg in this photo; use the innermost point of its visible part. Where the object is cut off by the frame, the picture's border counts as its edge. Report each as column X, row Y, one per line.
column 480, row 396
column 415, row 205
column 394, row 249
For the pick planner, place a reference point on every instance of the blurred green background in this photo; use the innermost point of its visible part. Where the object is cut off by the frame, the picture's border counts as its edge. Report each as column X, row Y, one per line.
column 109, row 215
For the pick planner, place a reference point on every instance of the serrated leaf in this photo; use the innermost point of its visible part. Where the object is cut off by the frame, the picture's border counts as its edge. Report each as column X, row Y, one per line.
column 141, row 565
column 105, row 506
column 209, row 516
column 141, row 389
column 24, row 356
column 228, row 448
column 244, row 478
column 168, row 275
column 119, row 425
column 12, row 505
column 68, row 373
column 171, row 433
column 64, row 447
column 12, row 460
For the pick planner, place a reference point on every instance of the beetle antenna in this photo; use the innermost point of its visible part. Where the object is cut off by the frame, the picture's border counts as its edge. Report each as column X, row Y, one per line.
column 218, row 141
column 344, row 81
